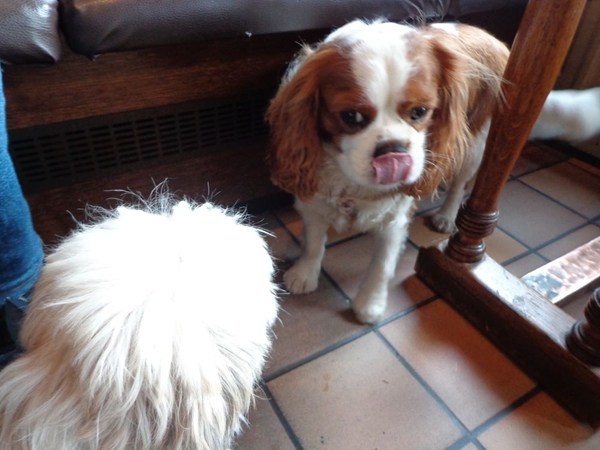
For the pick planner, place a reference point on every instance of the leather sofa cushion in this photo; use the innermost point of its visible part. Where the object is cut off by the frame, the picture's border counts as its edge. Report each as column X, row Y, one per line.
column 459, row 8
column 29, row 31
column 94, row 27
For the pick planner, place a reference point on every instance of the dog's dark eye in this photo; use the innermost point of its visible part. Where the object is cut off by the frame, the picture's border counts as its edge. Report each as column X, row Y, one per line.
column 418, row 114
column 353, row 119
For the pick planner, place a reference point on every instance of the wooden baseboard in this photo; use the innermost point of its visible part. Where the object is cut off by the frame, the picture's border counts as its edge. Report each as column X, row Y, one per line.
column 234, row 177
column 77, row 88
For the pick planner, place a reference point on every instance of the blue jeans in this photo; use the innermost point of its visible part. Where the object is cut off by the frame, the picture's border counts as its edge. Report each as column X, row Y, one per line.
column 21, row 251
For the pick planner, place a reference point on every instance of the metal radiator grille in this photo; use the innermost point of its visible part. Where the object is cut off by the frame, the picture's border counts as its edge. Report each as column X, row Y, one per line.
column 57, row 154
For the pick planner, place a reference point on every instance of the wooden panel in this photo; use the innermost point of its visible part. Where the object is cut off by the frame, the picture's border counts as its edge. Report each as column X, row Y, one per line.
column 582, row 66
column 77, row 87
column 522, row 323
column 229, row 177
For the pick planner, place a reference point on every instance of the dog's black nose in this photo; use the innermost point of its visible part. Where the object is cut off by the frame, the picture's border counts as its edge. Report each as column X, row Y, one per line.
column 389, row 147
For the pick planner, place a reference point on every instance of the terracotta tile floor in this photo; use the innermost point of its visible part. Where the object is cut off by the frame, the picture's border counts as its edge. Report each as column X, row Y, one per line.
column 423, row 378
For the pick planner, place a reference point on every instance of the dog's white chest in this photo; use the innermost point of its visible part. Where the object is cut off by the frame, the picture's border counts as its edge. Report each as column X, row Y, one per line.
column 346, row 212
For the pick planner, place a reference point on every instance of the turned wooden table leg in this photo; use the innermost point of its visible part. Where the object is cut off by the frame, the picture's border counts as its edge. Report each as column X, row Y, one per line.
column 537, row 55
column 584, row 339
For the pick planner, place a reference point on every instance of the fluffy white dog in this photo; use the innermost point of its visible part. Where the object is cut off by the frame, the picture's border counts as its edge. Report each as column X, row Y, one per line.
column 147, row 330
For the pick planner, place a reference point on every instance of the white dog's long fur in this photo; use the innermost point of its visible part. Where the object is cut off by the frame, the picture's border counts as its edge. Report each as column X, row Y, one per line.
column 424, row 93
column 147, row 330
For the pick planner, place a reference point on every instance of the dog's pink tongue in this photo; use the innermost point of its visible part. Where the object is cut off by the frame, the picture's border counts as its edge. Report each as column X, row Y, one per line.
column 392, row 168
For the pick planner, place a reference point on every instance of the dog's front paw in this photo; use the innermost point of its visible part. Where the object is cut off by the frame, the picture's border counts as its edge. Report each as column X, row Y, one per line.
column 442, row 223
column 369, row 309
column 302, row 278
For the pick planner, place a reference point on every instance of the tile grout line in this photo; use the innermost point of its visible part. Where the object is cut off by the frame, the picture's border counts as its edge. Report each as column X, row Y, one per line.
column 505, row 412
column 337, row 287
column 554, row 240
column 298, row 241
column 529, row 250
column 463, row 442
column 406, row 311
column 422, row 212
column 537, row 169
column 500, row 415
column 411, row 243
column 520, row 256
column 286, row 229
column 434, row 395
column 344, row 240
column 511, row 177
column 308, row 359
column 282, row 419
column 533, row 249
column 478, row 444
column 558, row 202
column 559, row 237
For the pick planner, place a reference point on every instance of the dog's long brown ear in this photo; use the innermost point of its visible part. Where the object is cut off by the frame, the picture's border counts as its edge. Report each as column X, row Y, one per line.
column 470, row 69
column 296, row 151
column 449, row 136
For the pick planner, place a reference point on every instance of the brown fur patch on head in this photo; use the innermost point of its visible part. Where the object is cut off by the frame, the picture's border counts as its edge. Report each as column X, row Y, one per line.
column 421, row 89
column 469, row 72
column 342, row 95
column 296, row 121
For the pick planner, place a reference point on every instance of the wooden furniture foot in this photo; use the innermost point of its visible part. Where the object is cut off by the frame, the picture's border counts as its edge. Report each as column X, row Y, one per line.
column 584, row 338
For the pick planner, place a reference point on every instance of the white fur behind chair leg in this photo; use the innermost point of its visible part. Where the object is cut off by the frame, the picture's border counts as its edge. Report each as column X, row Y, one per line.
column 371, row 300
column 569, row 115
column 303, row 276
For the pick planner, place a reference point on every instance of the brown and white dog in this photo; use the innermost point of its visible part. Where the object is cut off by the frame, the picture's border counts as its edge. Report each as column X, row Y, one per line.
column 374, row 116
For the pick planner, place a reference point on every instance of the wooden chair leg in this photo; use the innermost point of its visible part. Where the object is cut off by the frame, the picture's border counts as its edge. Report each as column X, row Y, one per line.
column 584, row 339
column 540, row 48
